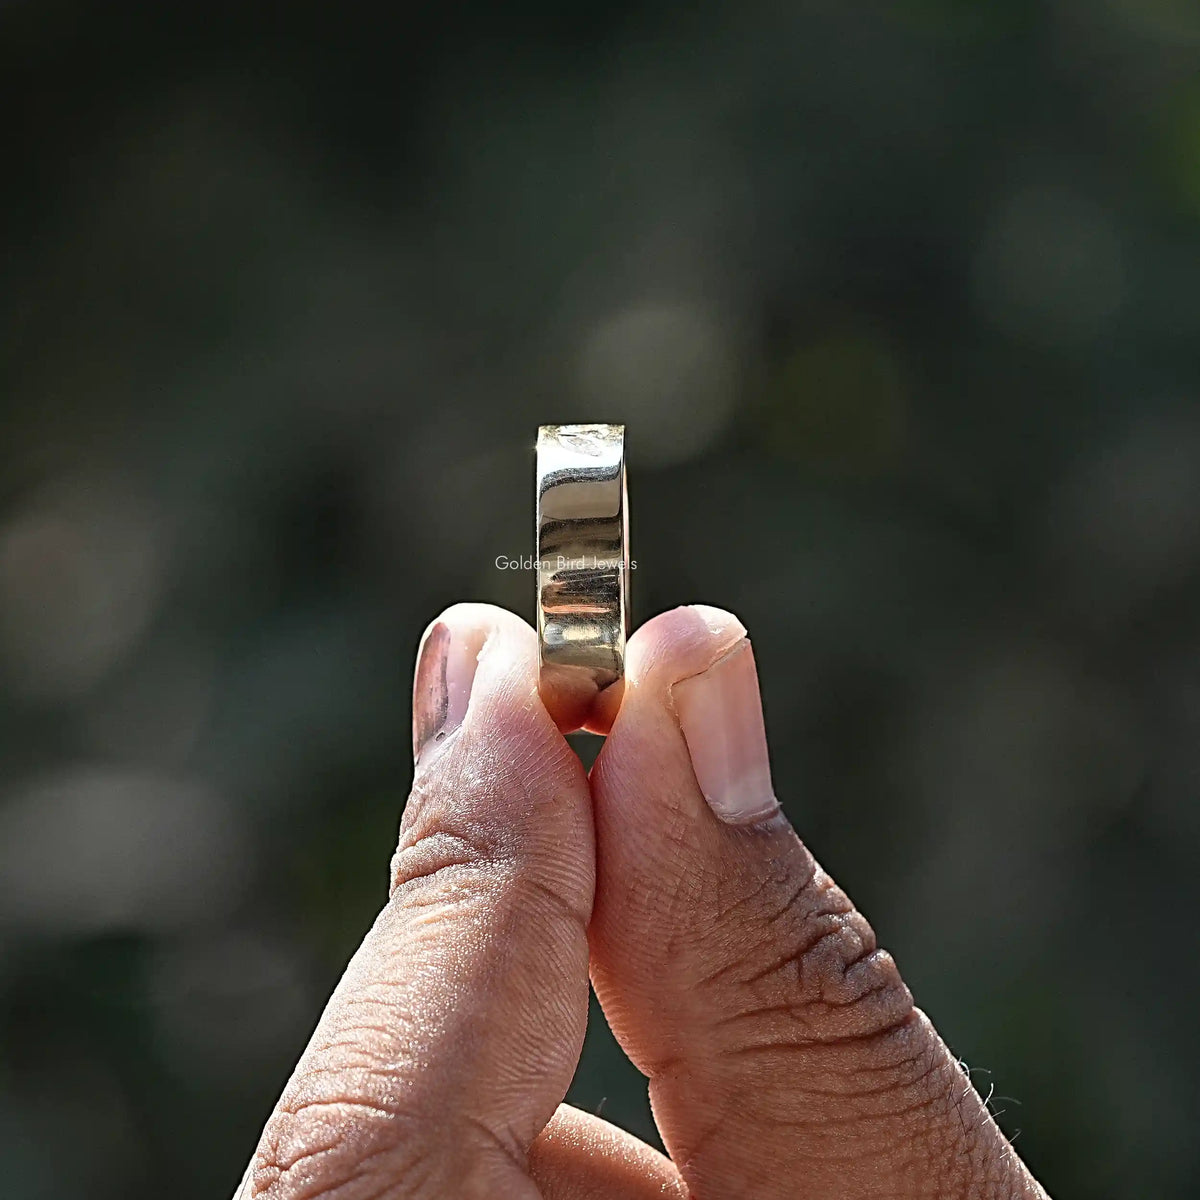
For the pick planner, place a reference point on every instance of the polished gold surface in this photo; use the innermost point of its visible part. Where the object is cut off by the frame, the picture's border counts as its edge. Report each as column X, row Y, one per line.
column 582, row 561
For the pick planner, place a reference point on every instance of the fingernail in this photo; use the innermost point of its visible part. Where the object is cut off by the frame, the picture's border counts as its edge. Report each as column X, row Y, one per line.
column 446, row 666
column 720, row 712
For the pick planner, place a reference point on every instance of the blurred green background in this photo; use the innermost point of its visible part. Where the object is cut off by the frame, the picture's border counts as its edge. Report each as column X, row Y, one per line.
column 901, row 304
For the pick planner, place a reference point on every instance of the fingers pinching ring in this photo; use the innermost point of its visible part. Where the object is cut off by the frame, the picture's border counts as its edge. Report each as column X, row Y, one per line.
column 582, row 565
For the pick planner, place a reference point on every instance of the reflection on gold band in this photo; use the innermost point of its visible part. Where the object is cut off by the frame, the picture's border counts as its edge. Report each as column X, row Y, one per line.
column 582, row 555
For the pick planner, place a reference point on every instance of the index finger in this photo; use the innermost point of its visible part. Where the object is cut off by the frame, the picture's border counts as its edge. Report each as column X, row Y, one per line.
column 455, row 1030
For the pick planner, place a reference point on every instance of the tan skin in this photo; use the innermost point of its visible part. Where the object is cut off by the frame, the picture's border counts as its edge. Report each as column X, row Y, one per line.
column 784, row 1055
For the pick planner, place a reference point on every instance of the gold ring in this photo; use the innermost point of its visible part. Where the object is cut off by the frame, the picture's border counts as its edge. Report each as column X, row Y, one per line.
column 582, row 565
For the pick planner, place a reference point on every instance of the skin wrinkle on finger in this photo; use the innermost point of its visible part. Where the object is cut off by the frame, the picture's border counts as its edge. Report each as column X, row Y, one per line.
column 408, row 1106
column 455, row 1030
column 437, row 857
column 781, row 1043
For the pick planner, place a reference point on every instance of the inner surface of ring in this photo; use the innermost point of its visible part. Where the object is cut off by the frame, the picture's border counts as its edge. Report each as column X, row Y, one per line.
column 582, row 525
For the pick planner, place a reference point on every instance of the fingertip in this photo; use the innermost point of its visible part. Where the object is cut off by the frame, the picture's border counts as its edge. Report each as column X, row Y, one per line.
column 643, row 778
column 720, row 622
column 469, row 632
column 491, row 768
column 470, row 617
column 681, row 642
column 473, row 656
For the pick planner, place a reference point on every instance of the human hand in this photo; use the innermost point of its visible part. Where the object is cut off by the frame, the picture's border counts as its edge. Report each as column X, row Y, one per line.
column 784, row 1053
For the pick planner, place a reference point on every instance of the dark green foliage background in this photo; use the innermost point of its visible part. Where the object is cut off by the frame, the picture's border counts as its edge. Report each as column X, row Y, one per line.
column 901, row 306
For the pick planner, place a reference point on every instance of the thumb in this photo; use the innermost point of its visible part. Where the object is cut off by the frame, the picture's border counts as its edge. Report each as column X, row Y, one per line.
column 784, row 1053
column 453, row 1035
